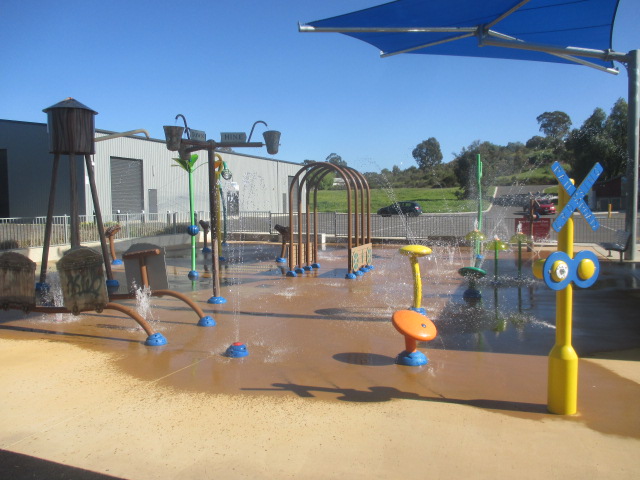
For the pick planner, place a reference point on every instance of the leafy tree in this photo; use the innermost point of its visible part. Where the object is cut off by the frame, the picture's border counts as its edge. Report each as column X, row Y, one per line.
column 554, row 124
column 427, row 154
column 336, row 160
column 602, row 139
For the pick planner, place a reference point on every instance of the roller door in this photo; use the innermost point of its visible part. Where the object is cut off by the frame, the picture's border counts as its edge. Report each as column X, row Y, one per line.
column 126, row 185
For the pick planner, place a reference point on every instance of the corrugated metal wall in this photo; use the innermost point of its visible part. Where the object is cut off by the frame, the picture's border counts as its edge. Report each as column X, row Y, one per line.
column 261, row 181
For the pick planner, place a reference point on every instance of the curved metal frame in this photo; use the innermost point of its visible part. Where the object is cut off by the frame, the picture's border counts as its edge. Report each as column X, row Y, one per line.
column 358, row 228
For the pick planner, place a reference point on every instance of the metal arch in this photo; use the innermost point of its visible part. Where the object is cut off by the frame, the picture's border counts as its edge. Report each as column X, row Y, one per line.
column 310, row 176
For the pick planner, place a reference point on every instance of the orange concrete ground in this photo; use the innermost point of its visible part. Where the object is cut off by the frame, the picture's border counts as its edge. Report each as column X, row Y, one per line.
column 320, row 396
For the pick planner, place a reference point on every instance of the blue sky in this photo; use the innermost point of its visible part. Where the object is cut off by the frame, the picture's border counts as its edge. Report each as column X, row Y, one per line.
column 224, row 65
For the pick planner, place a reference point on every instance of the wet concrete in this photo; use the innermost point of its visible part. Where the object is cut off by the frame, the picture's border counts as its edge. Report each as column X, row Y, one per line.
column 322, row 338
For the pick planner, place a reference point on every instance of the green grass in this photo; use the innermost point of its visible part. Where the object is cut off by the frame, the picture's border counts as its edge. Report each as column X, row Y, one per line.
column 538, row 176
column 432, row 200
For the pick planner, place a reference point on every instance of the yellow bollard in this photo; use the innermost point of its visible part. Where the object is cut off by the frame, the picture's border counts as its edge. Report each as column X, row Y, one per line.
column 413, row 252
column 562, row 394
column 610, row 210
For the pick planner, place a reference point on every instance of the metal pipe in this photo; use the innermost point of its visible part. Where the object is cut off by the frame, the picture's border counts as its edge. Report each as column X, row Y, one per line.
column 186, row 129
column 254, row 126
column 123, row 134
column 606, row 55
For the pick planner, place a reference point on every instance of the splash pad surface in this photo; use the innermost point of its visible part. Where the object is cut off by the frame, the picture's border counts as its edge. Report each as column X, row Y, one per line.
column 320, row 395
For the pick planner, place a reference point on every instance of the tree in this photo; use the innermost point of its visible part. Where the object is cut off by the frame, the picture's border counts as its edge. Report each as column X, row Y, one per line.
column 336, row 160
column 428, row 154
column 600, row 139
column 554, row 124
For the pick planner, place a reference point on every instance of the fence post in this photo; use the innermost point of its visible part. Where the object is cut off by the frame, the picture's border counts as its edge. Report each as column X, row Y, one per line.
column 66, row 233
column 335, row 224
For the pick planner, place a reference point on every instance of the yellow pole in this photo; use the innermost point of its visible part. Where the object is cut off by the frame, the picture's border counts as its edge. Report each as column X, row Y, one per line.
column 417, row 282
column 562, row 395
column 414, row 252
column 610, row 210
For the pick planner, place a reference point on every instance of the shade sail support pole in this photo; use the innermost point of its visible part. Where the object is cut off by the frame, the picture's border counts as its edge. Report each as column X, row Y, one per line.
column 606, row 55
column 426, row 45
column 507, row 13
column 633, row 138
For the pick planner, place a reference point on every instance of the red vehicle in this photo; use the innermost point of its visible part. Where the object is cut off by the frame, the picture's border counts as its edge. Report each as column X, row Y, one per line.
column 545, row 208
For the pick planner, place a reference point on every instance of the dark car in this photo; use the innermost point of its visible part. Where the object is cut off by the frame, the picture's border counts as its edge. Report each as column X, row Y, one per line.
column 411, row 209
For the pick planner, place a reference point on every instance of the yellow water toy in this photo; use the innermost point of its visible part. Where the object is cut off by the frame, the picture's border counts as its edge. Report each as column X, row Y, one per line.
column 414, row 252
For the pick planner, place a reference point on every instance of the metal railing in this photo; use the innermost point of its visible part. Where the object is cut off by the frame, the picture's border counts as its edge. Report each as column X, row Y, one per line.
column 29, row 232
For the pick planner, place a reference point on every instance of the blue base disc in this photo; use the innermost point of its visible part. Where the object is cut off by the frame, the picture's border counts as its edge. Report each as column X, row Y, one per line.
column 206, row 250
column 217, row 300
column 222, row 259
column 237, row 350
column 281, row 260
column 117, row 261
column 193, row 275
column 42, row 287
column 350, row 276
column 414, row 359
column 420, row 310
column 207, row 322
column 307, row 268
column 112, row 286
column 299, row 270
column 315, row 265
column 291, row 273
column 471, row 293
column 155, row 340
column 358, row 273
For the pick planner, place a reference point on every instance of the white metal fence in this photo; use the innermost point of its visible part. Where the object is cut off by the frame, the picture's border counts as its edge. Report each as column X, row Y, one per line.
column 29, row 232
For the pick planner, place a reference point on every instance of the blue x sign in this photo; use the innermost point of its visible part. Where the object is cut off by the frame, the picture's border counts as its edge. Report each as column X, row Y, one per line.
column 577, row 196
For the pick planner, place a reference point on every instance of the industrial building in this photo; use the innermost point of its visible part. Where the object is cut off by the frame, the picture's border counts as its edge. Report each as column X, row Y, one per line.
column 134, row 175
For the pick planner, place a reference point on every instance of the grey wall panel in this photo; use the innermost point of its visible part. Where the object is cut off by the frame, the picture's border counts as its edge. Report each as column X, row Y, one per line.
column 29, row 167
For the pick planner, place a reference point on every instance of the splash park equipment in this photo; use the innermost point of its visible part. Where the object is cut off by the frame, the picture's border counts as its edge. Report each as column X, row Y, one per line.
column 237, row 350
column 414, row 252
column 71, row 127
column 145, row 267
column 303, row 254
column 205, row 230
column 221, row 171
column 476, row 237
column 520, row 238
column 110, row 233
column 285, row 234
column 175, row 142
column 187, row 162
column 83, row 287
column 559, row 271
column 415, row 327
column 496, row 245
column 474, row 273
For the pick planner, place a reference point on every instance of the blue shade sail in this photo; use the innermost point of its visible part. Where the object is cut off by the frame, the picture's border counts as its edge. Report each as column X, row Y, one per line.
column 466, row 27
